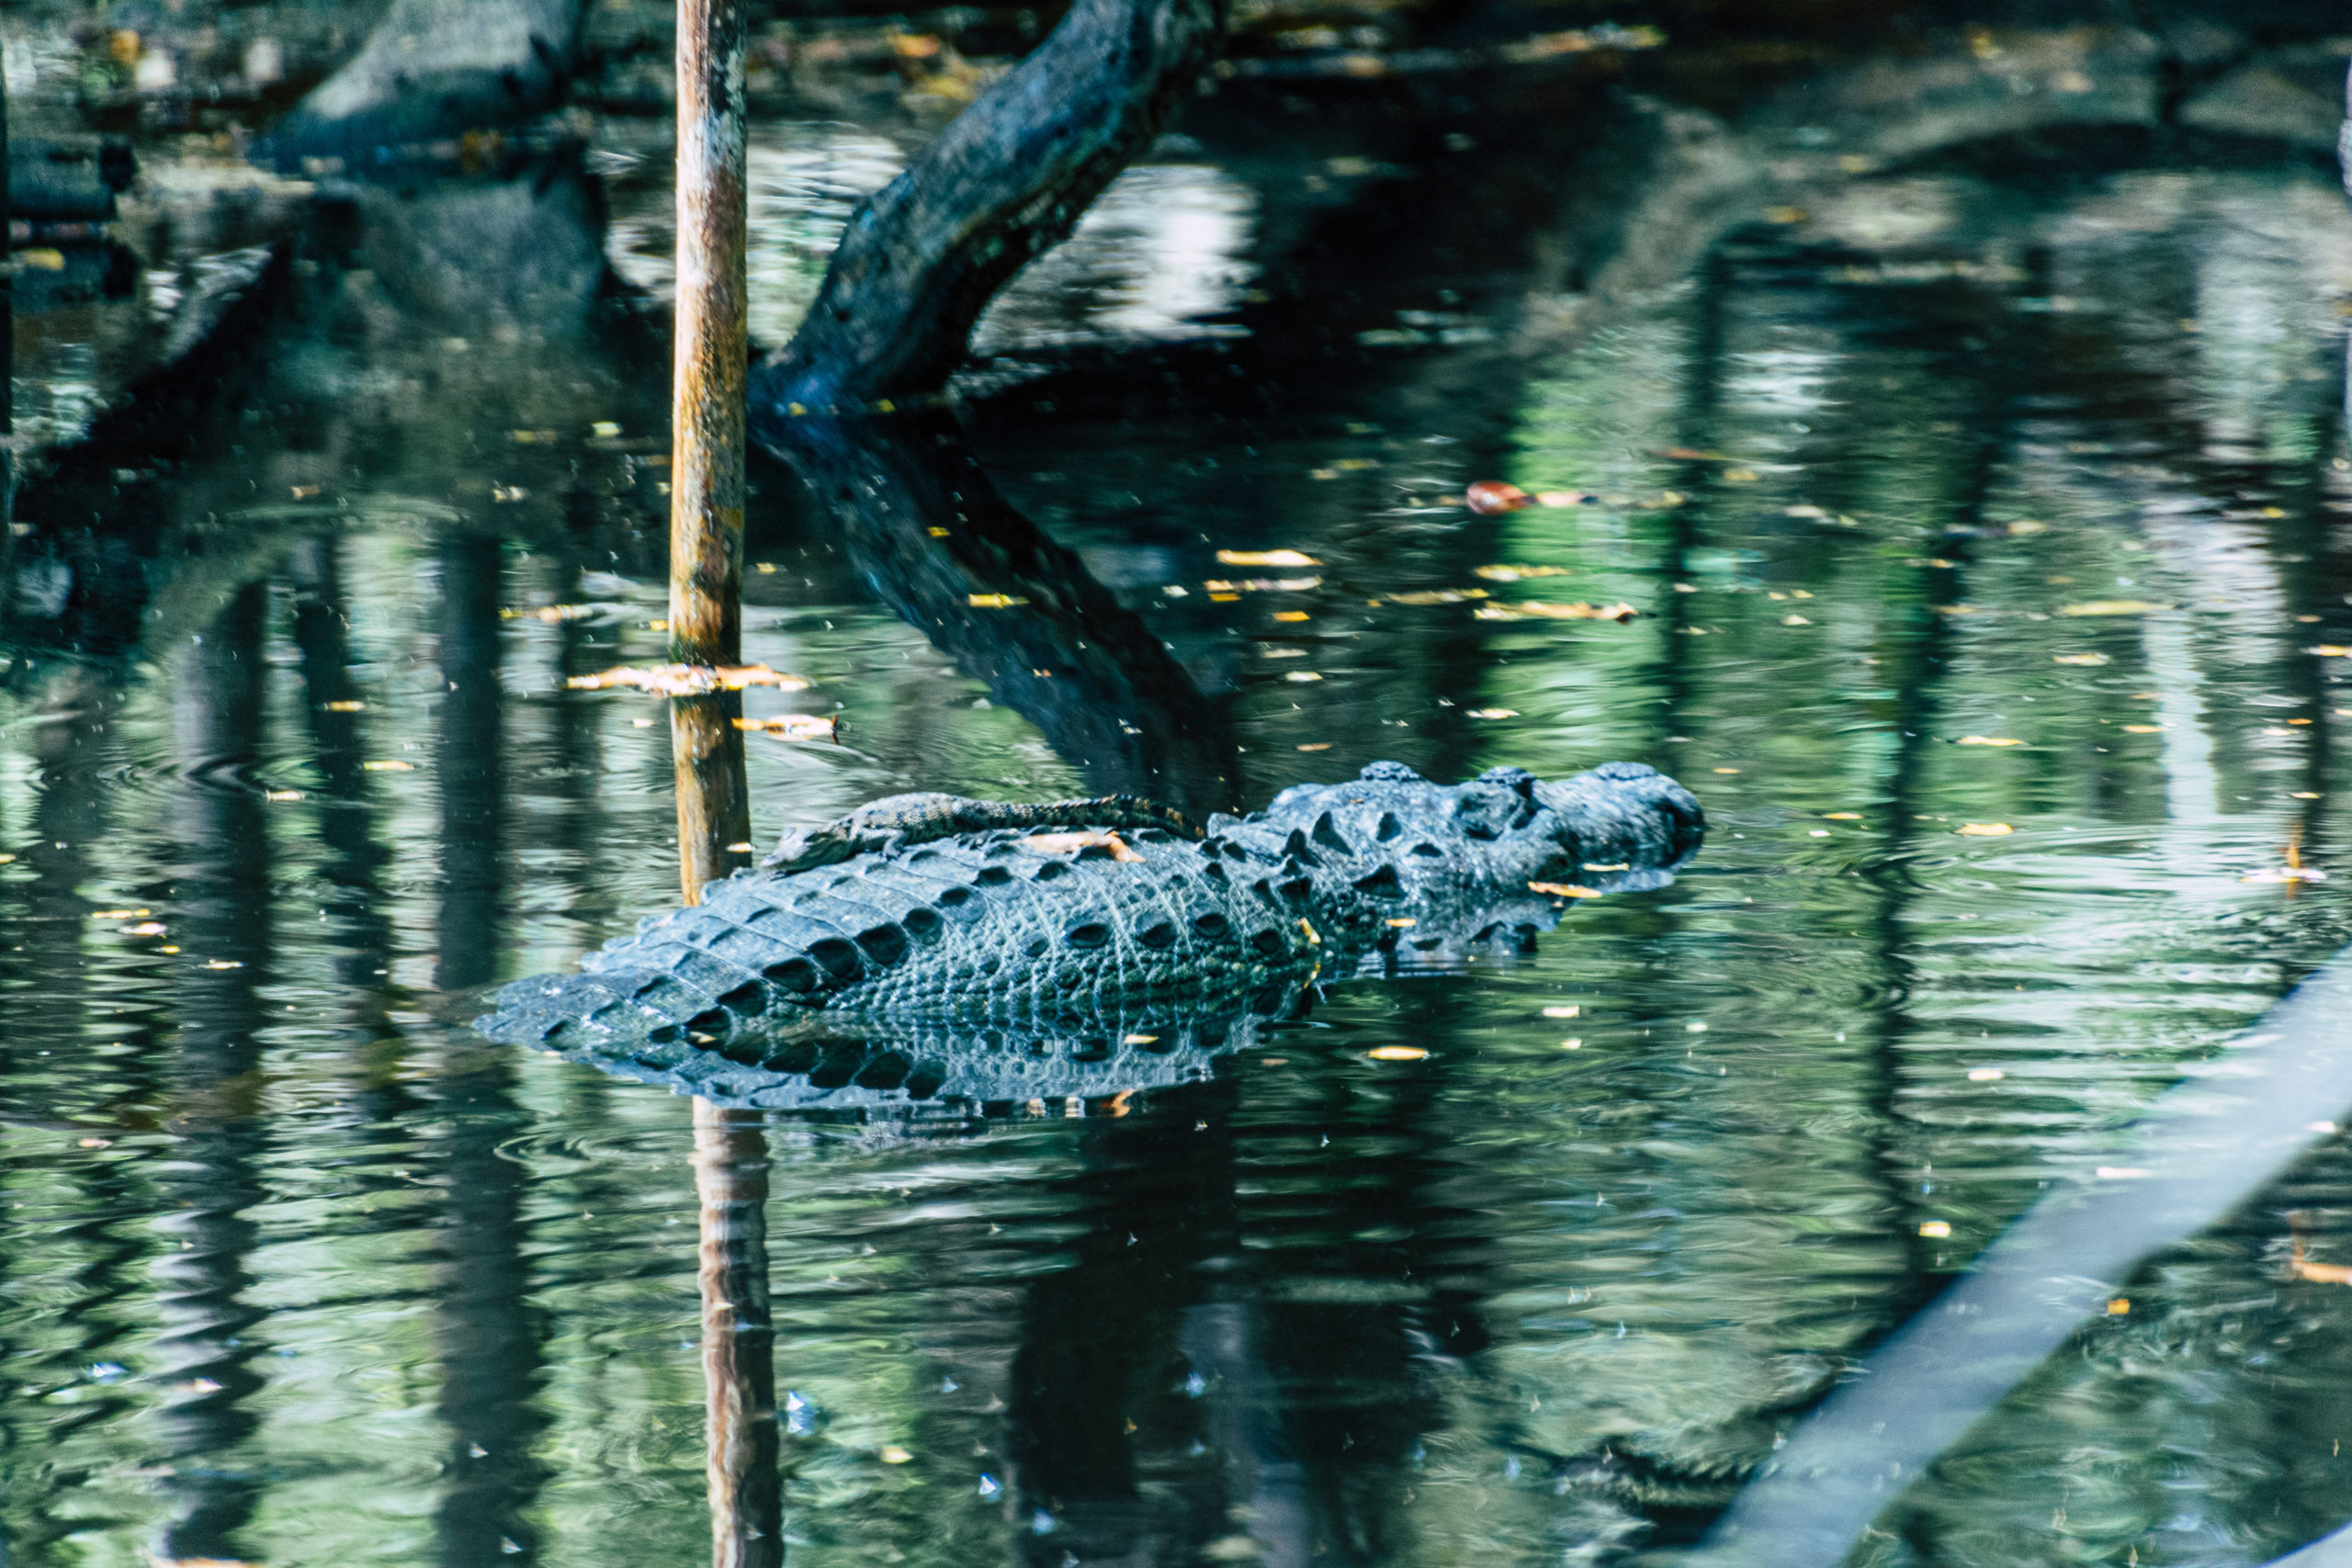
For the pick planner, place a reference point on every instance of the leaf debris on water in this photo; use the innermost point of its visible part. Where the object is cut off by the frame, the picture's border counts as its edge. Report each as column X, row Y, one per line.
column 794, row 725
column 1493, row 713
column 1265, row 557
column 393, row 765
column 2112, row 608
column 1420, row 596
column 1563, row 1010
column 1990, row 740
column 2088, row 661
column 1563, row 890
column 1537, row 610
column 1935, row 1228
column 1842, row 816
column 1302, row 676
column 1490, row 498
column 1984, row 829
column 687, row 680
column 1520, row 573
column 553, row 615
column 1315, row 746
column 994, row 601
column 1396, row 1054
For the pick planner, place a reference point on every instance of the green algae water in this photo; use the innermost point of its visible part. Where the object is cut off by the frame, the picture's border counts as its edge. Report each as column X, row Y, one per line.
column 1984, row 537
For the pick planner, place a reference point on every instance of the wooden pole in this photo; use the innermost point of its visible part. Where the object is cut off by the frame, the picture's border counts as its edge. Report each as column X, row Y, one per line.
column 738, row 1340
column 712, row 358
column 713, row 351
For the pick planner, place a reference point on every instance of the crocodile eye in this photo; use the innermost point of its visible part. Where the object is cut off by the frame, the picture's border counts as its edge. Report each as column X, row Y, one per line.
column 1162, row 935
column 1212, row 924
column 1090, row 934
column 1269, row 944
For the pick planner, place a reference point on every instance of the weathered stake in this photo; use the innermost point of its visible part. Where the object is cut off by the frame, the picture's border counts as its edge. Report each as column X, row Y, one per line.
column 712, row 356
column 738, row 1339
column 713, row 350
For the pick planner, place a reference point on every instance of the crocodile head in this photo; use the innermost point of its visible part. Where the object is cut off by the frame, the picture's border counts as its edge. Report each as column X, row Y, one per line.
column 1619, row 827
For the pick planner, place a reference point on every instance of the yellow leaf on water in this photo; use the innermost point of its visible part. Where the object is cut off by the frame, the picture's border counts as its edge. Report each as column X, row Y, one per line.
column 1396, row 1054
column 2112, row 608
column 1493, row 713
column 1934, row 1227
column 2143, row 729
column 2088, row 661
column 1265, row 557
column 994, row 601
column 1567, row 1011
column 390, row 767
column 603, row 430
column 1563, row 890
column 687, row 680
column 1984, row 1075
column 2330, row 650
column 794, row 725
column 1302, row 676
column 1990, row 740
column 1984, row 829
column 1520, row 573
column 893, row 1454
column 346, row 706
column 1726, row 769
column 1291, row 615
column 553, row 615
column 1536, row 610
column 1437, row 596
column 1841, row 816
column 1794, row 621
column 1315, row 746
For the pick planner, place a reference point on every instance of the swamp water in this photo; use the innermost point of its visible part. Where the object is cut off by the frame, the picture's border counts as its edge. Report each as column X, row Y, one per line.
column 1986, row 534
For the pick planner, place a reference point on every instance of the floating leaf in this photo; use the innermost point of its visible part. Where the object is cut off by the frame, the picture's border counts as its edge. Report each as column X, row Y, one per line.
column 893, row 1454
column 1935, row 1228
column 1536, row 610
column 2087, row 660
column 1437, row 596
column 553, row 615
column 509, row 492
column 1265, row 557
column 1292, row 616
column 1984, row 829
column 1315, row 746
column 794, row 725
column 1490, row 498
column 1302, row 676
column 1984, row 1075
column 2330, row 650
column 2112, row 608
column 1493, row 713
column 1396, row 1054
column 2143, row 729
column 1990, row 740
column 994, row 601
column 1562, row 498
column 394, row 766
column 1794, row 621
column 1520, row 573
column 1566, row 1010
column 1563, row 890
column 687, row 680
column 1841, row 816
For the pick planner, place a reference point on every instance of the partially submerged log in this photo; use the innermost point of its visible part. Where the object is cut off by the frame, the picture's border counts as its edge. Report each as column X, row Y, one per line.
column 1005, row 182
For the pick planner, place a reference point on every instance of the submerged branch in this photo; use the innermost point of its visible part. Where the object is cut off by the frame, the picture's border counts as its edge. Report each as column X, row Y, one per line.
column 1006, row 181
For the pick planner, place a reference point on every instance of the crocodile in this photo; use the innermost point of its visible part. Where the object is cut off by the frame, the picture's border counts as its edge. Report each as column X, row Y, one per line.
column 1119, row 932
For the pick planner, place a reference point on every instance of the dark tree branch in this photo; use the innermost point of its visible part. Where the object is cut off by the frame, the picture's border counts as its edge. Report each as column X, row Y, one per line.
column 1005, row 182
column 929, row 532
